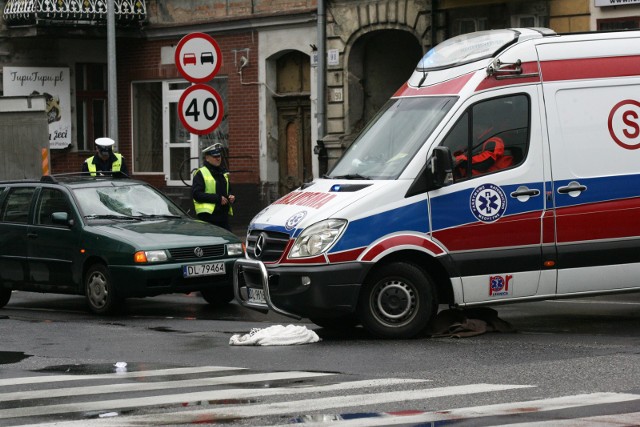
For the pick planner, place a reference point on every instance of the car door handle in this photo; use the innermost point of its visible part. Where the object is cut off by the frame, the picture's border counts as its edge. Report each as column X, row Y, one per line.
column 572, row 187
column 525, row 192
column 32, row 235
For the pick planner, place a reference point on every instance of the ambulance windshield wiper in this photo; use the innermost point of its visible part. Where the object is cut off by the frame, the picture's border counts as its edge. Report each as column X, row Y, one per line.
column 351, row 176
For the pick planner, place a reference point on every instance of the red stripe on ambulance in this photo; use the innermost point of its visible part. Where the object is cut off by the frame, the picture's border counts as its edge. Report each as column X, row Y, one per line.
column 401, row 240
column 515, row 230
column 450, row 87
column 591, row 68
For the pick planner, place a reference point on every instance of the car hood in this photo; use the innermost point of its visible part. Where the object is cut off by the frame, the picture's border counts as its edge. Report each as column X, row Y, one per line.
column 169, row 233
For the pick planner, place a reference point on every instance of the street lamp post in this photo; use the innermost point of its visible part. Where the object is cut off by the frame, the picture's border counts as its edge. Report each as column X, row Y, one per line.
column 111, row 72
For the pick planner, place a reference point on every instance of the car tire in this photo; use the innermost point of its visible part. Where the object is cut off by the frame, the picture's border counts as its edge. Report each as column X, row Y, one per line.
column 5, row 296
column 398, row 301
column 101, row 295
column 218, row 297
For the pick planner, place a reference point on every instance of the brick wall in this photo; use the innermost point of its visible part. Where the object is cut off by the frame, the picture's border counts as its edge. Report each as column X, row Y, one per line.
column 139, row 60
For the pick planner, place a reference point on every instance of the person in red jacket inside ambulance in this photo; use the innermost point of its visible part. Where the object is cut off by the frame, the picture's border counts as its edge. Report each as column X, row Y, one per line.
column 490, row 158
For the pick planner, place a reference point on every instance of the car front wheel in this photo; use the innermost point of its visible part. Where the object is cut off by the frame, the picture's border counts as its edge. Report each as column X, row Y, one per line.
column 5, row 296
column 397, row 301
column 101, row 295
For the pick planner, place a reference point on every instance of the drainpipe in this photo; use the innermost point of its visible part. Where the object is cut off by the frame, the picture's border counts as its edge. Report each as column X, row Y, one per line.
column 320, row 149
column 111, row 72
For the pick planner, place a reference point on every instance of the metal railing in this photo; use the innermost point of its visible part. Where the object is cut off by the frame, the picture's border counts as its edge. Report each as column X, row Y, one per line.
column 34, row 11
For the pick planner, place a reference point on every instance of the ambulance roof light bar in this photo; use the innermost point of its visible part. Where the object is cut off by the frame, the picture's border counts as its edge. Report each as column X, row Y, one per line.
column 472, row 47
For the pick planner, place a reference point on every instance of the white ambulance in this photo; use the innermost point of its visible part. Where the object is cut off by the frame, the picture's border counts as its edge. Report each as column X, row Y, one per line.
column 506, row 169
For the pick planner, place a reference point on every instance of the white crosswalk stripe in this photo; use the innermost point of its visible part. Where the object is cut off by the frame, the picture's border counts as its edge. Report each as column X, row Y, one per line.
column 173, row 396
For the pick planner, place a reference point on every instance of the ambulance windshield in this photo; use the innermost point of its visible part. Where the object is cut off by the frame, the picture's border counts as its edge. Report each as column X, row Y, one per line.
column 389, row 142
column 466, row 48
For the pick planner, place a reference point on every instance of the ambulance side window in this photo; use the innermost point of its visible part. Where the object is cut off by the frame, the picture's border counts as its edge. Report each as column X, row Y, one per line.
column 490, row 136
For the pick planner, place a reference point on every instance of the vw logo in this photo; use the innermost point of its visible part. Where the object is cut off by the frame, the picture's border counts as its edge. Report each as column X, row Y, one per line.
column 261, row 244
column 198, row 252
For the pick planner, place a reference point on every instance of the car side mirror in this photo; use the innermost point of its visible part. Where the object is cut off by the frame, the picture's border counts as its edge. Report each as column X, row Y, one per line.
column 61, row 218
column 440, row 168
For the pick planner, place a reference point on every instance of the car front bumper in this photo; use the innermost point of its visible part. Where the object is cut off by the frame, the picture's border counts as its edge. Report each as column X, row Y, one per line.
column 157, row 279
column 305, row 291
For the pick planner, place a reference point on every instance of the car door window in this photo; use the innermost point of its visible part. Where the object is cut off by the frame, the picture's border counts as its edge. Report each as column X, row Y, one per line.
column 17, row 204
column 490, row 136
column 51, row 201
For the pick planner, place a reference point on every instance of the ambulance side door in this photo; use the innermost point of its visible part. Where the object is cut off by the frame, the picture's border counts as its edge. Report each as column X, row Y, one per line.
column 490, row 219
column 594, row 136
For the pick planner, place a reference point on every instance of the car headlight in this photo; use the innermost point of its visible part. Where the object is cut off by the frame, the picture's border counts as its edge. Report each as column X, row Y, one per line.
column 317, row 238
column 234, row 249
column 143, row 257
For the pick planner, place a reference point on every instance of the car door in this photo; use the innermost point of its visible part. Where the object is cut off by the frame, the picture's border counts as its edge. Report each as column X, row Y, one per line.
column 14, row 219
column 491, row 218
column 53, row 245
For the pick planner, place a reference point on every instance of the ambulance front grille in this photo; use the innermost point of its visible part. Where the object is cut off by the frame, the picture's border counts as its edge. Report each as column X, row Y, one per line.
column 274, row 244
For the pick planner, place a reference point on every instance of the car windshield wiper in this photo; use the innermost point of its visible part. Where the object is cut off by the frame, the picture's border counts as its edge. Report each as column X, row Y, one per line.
column 154, row 216
column 113, row 217
column 351, row 176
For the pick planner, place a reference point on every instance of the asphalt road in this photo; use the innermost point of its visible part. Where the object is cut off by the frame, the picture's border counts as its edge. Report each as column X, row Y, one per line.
column 567, row 349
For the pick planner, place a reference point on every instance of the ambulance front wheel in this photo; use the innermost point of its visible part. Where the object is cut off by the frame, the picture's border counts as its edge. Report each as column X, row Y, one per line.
column 398, row 300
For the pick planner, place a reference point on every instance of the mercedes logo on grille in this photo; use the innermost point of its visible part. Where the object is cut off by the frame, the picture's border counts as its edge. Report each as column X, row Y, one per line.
column 198, row 252
column 260, row 246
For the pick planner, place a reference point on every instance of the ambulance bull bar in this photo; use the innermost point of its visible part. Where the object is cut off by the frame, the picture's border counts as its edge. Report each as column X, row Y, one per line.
column 241, row 291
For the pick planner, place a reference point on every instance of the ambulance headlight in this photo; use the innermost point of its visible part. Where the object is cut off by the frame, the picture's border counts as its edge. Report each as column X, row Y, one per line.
column 317, row 238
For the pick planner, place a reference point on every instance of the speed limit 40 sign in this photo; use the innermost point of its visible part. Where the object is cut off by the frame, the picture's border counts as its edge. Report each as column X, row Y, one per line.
column 200, row 109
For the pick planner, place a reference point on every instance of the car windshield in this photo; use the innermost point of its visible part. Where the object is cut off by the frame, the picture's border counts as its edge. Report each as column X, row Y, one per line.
column 126, row 201
column 385, row 147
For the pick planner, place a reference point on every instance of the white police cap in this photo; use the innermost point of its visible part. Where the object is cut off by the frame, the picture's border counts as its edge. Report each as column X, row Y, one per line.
column 213, row 150
column 105, row 142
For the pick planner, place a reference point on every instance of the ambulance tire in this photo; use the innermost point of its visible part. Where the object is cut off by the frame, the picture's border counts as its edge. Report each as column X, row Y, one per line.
column 397, row 301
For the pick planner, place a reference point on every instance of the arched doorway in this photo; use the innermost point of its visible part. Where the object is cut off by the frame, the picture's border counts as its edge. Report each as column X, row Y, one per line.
column 294, row 121
column 380, row 62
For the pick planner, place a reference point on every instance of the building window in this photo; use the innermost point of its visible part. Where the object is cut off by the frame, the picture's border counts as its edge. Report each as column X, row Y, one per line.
column 469, row 25
column 614, row 24
column 525, row 21
column 147, row 126
column 91, row 103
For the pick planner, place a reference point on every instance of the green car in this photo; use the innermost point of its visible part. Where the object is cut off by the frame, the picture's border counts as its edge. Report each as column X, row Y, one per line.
column 108, row 239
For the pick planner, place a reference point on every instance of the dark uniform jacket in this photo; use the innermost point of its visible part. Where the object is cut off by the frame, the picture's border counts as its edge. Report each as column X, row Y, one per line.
column 220, row 213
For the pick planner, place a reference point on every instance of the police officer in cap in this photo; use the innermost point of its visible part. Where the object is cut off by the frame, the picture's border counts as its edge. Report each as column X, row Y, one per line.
column 210, row 191
column 105, row 160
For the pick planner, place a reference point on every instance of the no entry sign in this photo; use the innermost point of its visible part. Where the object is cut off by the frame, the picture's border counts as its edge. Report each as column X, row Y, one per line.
column 200, row 109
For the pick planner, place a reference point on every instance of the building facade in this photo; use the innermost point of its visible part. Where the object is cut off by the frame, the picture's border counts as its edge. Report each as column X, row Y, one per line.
column 279, row 127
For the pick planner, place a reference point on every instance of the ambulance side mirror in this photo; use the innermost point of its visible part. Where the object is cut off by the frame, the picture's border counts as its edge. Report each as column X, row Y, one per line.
column 440, row 168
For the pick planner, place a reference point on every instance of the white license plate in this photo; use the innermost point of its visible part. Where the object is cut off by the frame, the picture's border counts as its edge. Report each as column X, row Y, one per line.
column 203, row 269
column 256, row 295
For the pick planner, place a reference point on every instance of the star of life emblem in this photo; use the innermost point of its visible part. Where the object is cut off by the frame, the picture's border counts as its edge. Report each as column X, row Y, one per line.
column 488, row 202
column 294, row 220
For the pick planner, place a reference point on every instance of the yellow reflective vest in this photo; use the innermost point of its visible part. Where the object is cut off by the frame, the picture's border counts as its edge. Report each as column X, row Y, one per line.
column 210, row 188
column 115, row 166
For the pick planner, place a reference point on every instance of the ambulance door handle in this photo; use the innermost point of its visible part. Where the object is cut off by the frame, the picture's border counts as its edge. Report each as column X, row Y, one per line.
column 524, row 191
column 573, row 189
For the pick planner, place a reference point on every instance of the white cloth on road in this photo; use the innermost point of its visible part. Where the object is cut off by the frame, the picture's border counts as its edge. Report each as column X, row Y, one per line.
column 276, row 335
